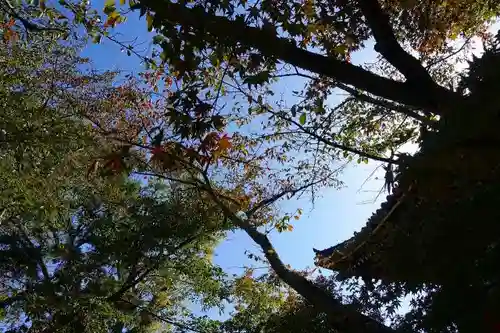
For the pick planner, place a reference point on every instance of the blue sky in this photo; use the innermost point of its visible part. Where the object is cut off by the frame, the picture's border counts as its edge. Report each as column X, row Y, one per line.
column 336, row 213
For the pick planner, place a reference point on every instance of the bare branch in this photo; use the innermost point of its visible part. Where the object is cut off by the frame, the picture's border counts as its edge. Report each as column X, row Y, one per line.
column 276, row 197
column 321, row 138
column 448, row 56
column 178, row 180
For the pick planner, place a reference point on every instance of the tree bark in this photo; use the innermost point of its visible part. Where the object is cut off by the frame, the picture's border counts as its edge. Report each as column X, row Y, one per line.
column 232, row 32
column 388, row 46
column 342, row 317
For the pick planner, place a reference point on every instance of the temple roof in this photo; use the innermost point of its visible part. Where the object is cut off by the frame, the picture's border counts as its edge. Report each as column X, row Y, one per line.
column 444, row 197
column 368, row 252
column 442, row 223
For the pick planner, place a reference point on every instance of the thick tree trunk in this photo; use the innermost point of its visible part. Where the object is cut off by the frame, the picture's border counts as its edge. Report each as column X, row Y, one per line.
column 414, row 94
column 342, row 317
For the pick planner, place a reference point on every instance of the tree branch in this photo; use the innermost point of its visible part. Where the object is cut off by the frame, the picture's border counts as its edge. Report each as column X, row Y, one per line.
column 341, row 316
column 388, row 46
column 29, row 26
column 335, row 144
column 34, row 250
column 321, row 138
column 144, row 274
column 387, row 104
column 276, row 197
column 344, row 148
column 416, row 75
column 269, row 44
column 183, row 327
column 452, row 54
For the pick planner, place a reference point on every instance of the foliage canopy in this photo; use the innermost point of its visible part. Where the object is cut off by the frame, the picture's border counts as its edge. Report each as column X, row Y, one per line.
column 173, row 126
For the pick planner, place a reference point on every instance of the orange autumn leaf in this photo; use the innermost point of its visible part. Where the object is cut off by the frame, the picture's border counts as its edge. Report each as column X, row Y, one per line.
column 168, row 81
column 8, row 24
column 225, row 143
column 10, row 35
column 110, row 22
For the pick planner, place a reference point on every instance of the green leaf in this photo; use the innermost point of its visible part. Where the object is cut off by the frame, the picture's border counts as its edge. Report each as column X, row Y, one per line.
column 97, row 39
column 114, row 15
column 303, row 118
column 122, row 2
column 340, row 49
column 149, row 20
column 214, row 60
column 158, row 39
column 260, row 78
column 109, row 10
column 55, row 160
column 163, row 56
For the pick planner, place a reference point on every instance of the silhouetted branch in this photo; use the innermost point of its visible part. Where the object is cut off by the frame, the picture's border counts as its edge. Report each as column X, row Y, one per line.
column 276, row 197
column 387, row 104
column 389, row 47
column 340, row 316
column 269, row 44
column 324, row 140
